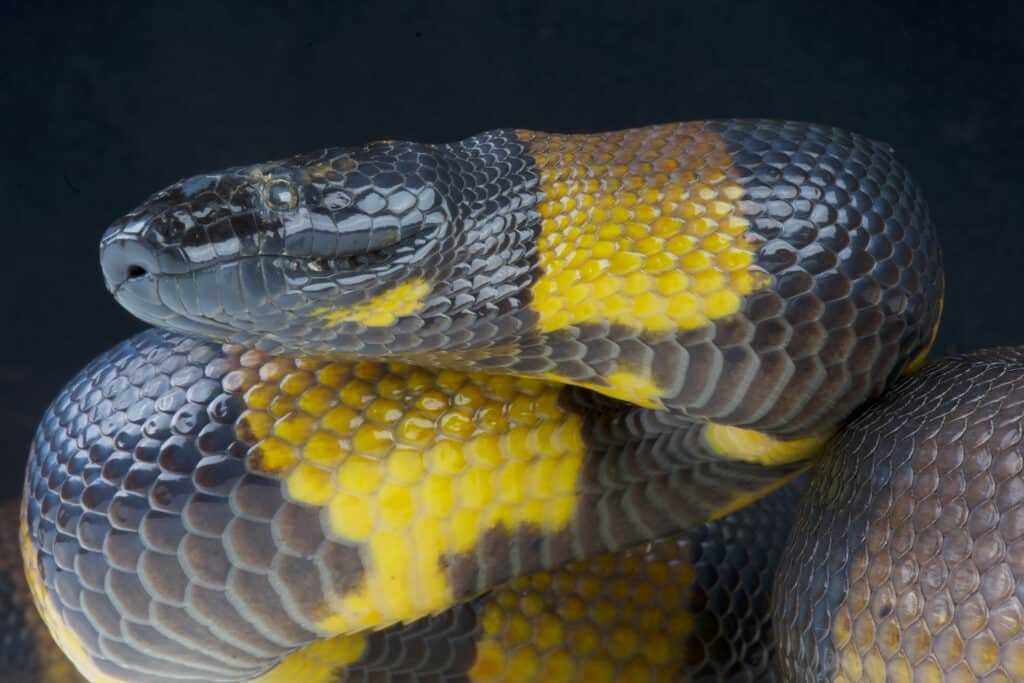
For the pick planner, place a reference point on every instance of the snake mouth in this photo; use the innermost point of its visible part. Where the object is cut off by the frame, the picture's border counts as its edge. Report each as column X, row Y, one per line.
column 145, row 297
column 253, row 300
column 263, row 299
column 222, row 301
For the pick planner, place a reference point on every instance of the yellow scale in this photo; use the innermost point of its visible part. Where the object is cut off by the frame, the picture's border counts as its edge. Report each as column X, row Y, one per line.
column 641, row 228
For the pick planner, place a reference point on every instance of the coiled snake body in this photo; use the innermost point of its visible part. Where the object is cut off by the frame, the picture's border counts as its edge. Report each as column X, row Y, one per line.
column 415, row 409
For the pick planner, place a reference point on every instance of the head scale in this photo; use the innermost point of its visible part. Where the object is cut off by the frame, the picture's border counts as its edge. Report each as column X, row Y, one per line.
column 319, row 252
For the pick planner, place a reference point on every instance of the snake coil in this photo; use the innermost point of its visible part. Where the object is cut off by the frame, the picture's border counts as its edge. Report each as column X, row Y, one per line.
column 487, row 410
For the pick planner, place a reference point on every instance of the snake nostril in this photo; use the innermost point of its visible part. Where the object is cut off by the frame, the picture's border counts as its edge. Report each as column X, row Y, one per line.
column 136, row 271
column 124, row 258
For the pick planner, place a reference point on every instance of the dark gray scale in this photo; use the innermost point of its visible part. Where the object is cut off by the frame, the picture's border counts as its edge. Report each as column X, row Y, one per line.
column 856, row 274
column 438, row 648
column 503, row 555
column 651, row 475
column 735, row 560
column 168, row 565
column 912, row 525
column 475, row 264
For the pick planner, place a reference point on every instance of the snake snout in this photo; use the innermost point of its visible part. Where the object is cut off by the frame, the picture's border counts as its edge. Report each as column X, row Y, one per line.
column 125, row 259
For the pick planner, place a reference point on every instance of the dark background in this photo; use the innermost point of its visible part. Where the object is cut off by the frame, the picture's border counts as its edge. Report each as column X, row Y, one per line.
column 103, row 105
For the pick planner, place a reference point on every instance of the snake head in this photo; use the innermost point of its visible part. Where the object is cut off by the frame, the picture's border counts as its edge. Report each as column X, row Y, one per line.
column 340, row 251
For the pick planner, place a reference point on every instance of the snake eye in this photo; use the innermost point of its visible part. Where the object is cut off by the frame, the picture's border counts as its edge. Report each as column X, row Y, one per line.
column 280, row 195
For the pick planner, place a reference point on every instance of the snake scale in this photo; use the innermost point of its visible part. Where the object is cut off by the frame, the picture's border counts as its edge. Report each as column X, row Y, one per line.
column 530, row 406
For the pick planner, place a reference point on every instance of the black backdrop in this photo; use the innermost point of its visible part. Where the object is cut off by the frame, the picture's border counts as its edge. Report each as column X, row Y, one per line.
column 102, row 105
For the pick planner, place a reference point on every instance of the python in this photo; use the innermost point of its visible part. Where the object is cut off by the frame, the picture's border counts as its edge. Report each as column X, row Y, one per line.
column 415, row 410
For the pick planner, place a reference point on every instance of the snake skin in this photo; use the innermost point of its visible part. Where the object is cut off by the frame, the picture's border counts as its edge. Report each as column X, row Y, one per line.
column 389, row 428
column 906, row 561
column 719, row 576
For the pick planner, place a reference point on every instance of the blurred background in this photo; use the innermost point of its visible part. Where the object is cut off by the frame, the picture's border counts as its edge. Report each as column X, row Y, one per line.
column 104, row 105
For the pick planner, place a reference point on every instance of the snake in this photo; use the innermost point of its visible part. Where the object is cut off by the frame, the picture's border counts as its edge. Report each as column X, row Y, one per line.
column 641, row 405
